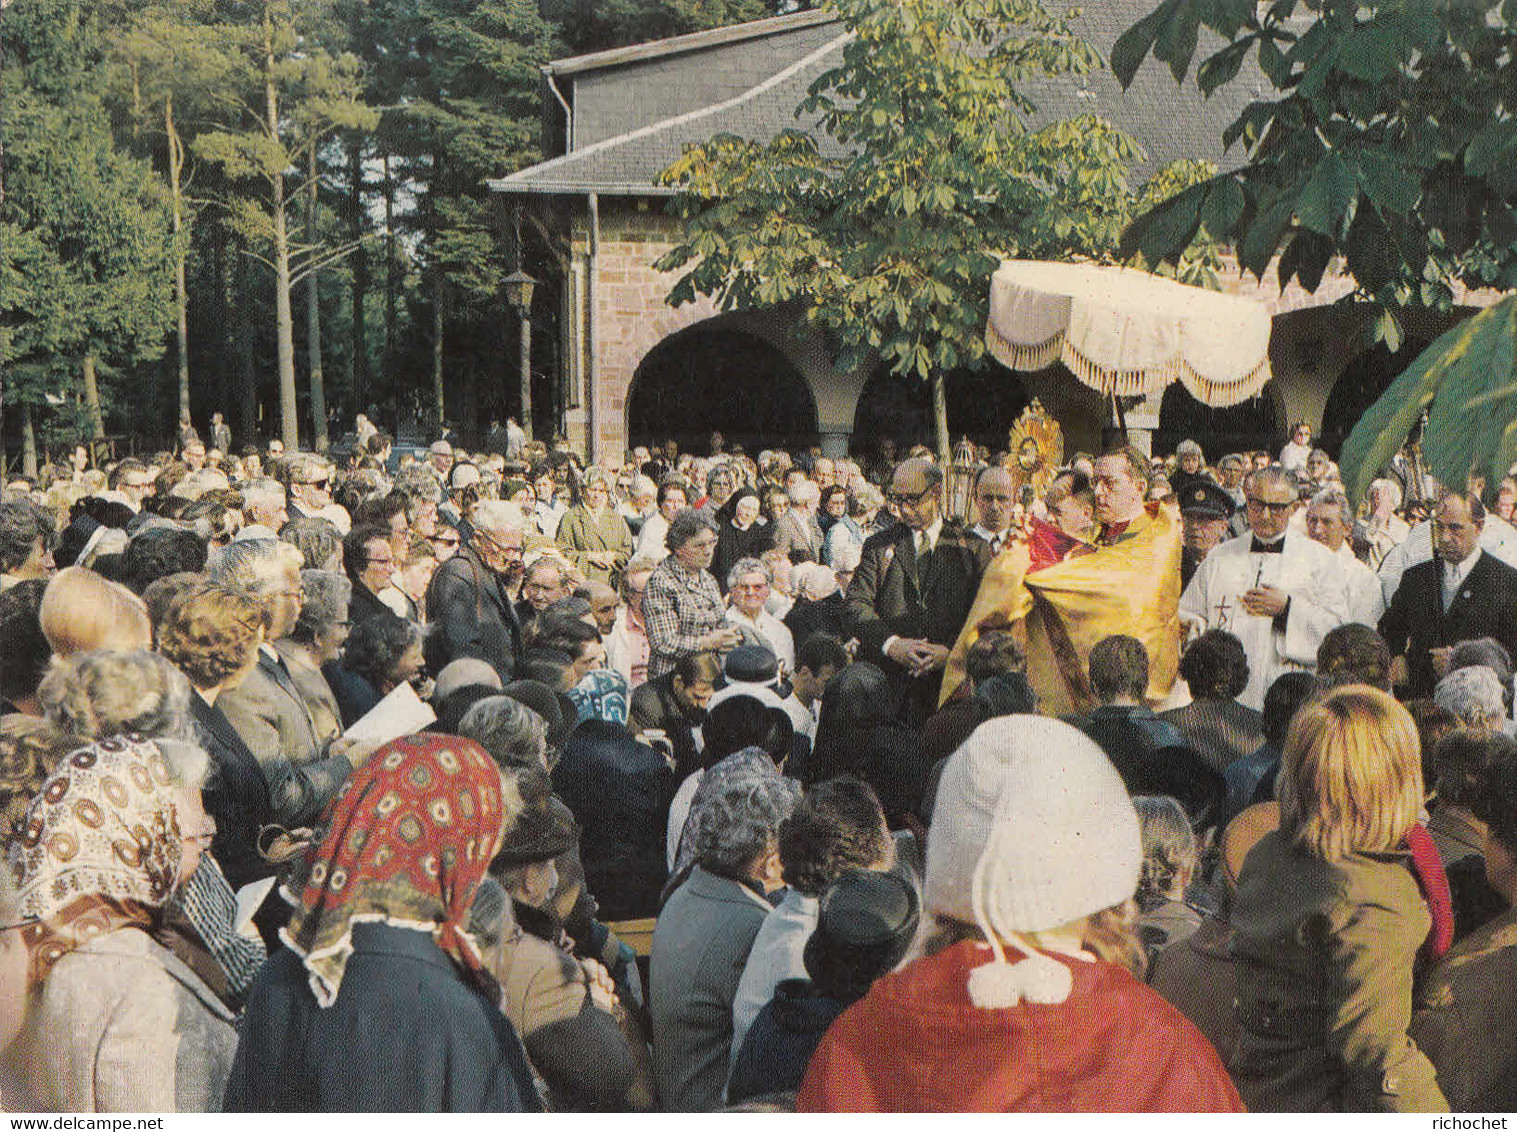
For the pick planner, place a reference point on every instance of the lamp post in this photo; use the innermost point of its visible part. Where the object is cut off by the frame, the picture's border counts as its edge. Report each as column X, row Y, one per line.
column 519, row 287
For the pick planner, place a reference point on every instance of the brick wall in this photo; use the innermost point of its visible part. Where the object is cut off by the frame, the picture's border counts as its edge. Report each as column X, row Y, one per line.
column 631, row 315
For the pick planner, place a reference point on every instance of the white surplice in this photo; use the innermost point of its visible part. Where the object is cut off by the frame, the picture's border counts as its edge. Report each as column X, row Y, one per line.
column 1319, row 602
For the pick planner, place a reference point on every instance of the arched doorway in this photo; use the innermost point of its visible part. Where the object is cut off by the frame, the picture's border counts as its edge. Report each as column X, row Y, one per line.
column 1253, row 424
column 1359, row 386
column 713, row 378
column 983, row 404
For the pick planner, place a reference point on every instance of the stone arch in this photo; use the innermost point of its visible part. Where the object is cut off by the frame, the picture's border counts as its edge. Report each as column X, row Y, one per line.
column 1363, row 380
column 1256, row 423
column 720, row 373
column 983, row 404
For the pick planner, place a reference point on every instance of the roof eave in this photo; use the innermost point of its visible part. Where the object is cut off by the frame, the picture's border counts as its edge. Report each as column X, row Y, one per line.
column 680, row 44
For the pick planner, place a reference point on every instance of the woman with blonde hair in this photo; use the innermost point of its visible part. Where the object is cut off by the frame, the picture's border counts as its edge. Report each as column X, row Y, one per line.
column 1027, row 997
column 212, row 634
column 81, row 612
column 1329, row 917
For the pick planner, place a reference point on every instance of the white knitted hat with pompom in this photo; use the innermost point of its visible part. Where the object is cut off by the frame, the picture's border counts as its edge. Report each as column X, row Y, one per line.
column 1032, row 829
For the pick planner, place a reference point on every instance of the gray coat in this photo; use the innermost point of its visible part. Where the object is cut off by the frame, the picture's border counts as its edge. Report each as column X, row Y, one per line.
column 277, row 724
column 122, row 1025
column 700, row 947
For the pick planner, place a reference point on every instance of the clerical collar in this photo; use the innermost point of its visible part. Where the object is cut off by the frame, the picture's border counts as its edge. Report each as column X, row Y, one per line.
column 1273, row 546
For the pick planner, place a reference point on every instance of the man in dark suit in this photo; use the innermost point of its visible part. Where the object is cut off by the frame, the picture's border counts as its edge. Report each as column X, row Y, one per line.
column 468, row 600
column 914, row 587
column 1462, row 594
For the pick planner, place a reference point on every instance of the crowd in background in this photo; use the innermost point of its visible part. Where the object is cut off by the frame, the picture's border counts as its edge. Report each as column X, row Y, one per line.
column 695, row 826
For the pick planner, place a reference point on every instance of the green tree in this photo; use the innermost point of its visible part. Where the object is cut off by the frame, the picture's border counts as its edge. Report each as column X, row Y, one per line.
column 170, row 70
column 886, row 223
column 596, row 25
column 295, row 93
column 460, row 83
column 1390, row 141
column 86, row 237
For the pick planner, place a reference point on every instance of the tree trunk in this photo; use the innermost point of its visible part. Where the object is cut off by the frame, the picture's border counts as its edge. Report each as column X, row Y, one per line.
column 28, row 443
column 439, row 407
column 358, row 353
column 289, row 421
column 92, row 405
column 242, row 381
column 387, row 368
column 313, row 319
column 940, row 421
column 181, row 293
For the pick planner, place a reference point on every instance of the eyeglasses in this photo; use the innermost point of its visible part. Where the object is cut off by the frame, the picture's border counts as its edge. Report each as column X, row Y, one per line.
column 444, row 540
column 319, row 485
column 907, row 499
column 1262, row 505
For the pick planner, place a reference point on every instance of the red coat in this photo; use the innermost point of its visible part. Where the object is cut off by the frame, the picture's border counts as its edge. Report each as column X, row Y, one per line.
column 915, row 1043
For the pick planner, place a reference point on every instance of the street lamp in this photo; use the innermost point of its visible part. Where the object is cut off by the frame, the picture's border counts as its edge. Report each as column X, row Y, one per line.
column 519, row 286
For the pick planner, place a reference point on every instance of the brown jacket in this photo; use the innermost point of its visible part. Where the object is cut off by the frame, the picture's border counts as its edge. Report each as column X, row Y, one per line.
column 1325, row 953
column 1464, row 1019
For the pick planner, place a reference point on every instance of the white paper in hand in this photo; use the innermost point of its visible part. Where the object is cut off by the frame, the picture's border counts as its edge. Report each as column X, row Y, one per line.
column 249, row 898
column 399, row 713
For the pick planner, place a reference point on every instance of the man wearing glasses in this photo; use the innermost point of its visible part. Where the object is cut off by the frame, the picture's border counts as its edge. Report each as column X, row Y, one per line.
column 914, row 587
column 1275, row 590
column 469, row 599
column 310, row 486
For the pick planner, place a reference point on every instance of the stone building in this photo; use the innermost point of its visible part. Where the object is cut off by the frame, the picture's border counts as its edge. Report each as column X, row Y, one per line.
column 635, row 370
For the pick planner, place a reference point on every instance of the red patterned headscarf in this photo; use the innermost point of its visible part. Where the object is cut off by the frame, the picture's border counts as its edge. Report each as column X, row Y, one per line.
column 406, row 843
column 99, row 849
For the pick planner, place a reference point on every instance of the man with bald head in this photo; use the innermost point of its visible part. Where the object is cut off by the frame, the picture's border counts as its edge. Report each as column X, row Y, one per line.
column 914, row 587
column 994, row 495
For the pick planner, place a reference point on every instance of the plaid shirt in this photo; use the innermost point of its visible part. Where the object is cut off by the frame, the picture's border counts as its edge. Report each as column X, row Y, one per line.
column 680, row 606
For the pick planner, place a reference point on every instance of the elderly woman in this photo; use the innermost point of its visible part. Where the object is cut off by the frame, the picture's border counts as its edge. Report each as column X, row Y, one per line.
column 740, row 533
column 382, row 653
column 592, row 535
column 682, row 605
column 317, row 639
column 1025, row 998
column 303, row 758
column 140, row 695
column 1329, row 918
column 118, row 1023
column 81, row 611
column 707, row 928
column 1475, row 696
column 379, row 933
column 212, row 634
column 317, row 540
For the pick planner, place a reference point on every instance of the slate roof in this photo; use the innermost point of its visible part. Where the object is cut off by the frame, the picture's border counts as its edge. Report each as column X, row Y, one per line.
column 1169, row 121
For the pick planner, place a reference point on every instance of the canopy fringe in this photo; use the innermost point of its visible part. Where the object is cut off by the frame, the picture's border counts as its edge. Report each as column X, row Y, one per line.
column 1125, row 383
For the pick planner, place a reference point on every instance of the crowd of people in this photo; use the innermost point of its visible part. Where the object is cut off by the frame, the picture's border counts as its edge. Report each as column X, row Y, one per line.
column 754, row 783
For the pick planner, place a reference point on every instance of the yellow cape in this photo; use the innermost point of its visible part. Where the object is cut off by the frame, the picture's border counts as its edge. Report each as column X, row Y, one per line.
column 1130, row 587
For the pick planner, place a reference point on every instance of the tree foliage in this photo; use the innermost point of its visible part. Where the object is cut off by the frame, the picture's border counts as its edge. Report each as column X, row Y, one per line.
column 85, row 241
column 1389, row 142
